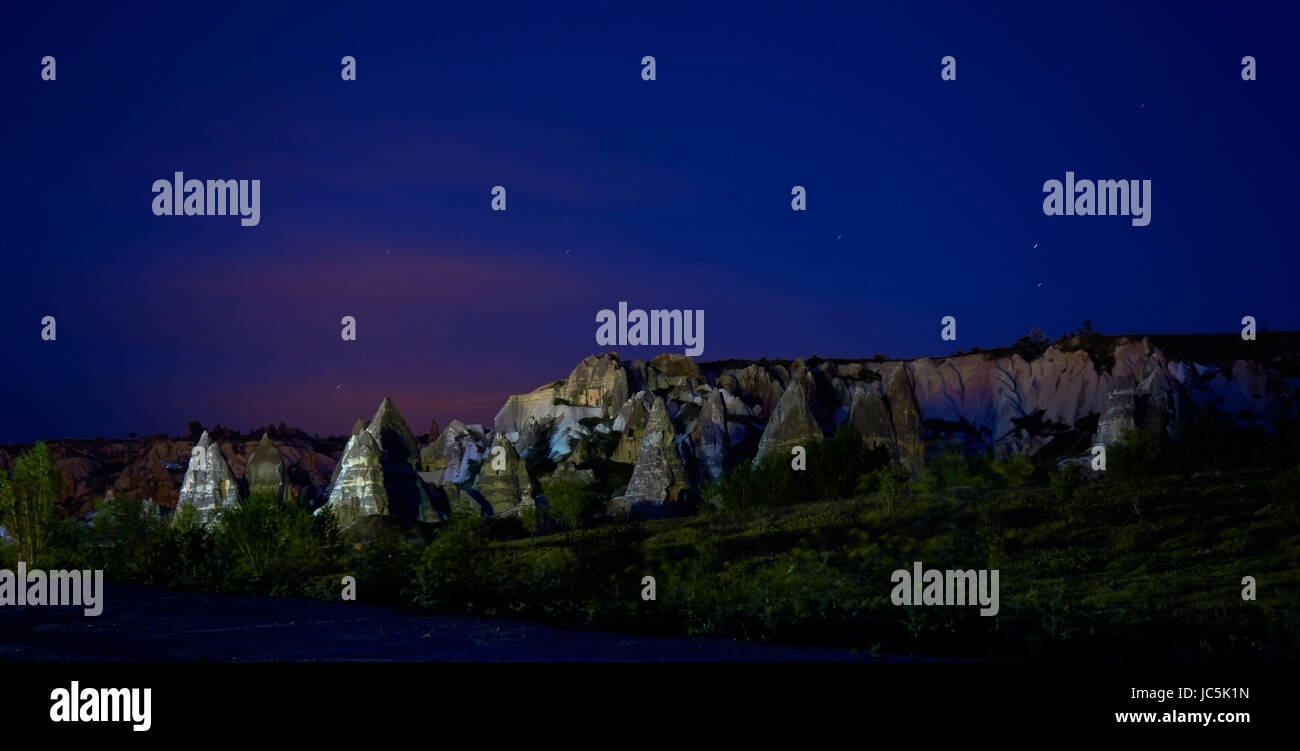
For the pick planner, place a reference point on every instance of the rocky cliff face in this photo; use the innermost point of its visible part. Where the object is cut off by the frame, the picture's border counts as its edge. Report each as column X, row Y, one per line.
column 677, row 424
column 1079, row 391
column 906, row 413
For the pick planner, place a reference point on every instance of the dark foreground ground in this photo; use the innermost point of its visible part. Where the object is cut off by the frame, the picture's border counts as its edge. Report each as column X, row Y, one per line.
column 142, row 623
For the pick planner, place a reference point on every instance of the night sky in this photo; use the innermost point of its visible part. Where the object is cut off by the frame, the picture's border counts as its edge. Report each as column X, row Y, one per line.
column 924, row 196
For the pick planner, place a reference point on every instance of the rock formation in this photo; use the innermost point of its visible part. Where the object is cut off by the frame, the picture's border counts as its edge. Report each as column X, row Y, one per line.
column 149, row 474
column 1119, row 416
column 709, row 439
column 533, row 433
column 359, row 488
column 463, row 502
column 503, row 479
column 265, row 471
column 1083, row 389
column 448, row 457
column 568, row 472
column 790, row 425
column 378, row 473
column 631, row 422
column 598, row 381
column 907, row 421
column 357, row 427
column 869, row 414
column 209, row 485
column 658, row 475
column 1150, row 398
column 674, row 366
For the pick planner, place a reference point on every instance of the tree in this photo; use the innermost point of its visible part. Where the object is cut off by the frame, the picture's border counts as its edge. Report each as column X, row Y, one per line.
column 572, row 502
column 893, row 483
column 29, row 501
column 252, row 533
column 472, row 468
column 736, row 489
column 457, row 566
column 1065, row 481
column 1031, row 346
column 1013, row 470
column 1136, row 460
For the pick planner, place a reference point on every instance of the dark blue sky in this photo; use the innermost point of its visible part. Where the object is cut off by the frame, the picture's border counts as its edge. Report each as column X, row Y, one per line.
column 924, row 196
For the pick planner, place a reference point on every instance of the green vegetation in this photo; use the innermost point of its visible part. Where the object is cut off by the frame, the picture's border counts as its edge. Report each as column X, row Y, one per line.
column 1083, row 576
column 1136, row 461
column 29, row 501
column 1032, row 347
column 835, row 468
column 262, row 544
column 573, row 503
column 537, row 461
column 806, row 556
column 260, row 547
column 1086, row 578
column 951, row 469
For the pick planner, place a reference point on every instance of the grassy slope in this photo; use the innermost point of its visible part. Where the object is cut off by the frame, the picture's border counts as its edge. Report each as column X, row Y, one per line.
column 1087, row 577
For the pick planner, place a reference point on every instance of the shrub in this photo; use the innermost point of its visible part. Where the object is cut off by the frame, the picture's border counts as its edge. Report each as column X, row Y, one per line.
column 952, row 468
column 735, row 489
column 1013, row 471
column 1065, row 480
column 132, row 542
column 1286, row 489
column 454, row 567
column 538, row 462
column 834, row 470
column 260, row 544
